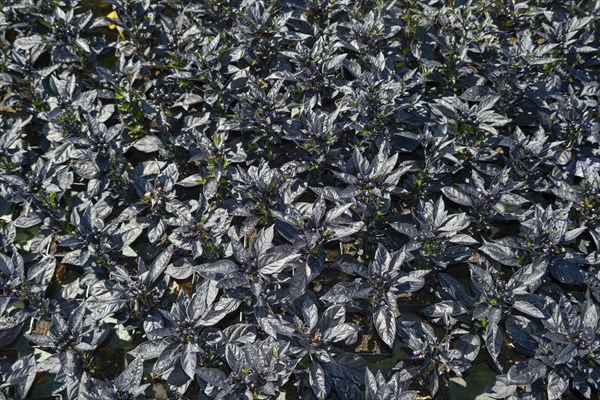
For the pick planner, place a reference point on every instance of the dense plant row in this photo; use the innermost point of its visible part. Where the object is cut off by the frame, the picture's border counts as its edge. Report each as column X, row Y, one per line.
column 251, row 195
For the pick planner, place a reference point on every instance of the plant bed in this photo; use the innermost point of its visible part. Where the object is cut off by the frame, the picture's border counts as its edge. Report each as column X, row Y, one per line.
column 57, row 397
column 8, row 354
column 110, row 361
column 370, row 344
column 300, row 199
column 38, row 327
column 42, row 385
column 414, row 301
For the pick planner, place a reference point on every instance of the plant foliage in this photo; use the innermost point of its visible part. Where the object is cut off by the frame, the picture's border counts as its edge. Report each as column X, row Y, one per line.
column 304, row 199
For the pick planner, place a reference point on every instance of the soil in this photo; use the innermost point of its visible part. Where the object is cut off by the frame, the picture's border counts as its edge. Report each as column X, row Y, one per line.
column 3, row 107
column 251, row 236
column 443, row 391
column 369, row 343
column 185, row 284
column 40, row 379
column 415, row 298
column 130, row 264
column 462, row 270
column 328, row 278
column 137, row 338
column 41, row 327
column 290, row 391
column 193, row 389
column 60, row 274
column 332, row 254
column 111, row 362
column 352, row 249
column 9, row 355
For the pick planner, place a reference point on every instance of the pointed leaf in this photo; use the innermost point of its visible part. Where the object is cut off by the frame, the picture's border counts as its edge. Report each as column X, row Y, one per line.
column 385, row 324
